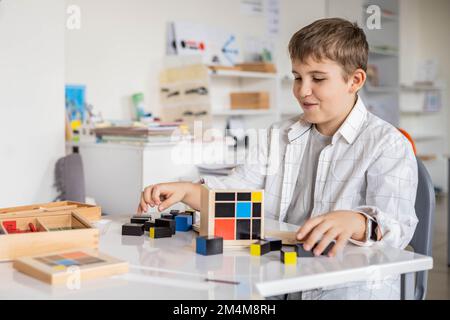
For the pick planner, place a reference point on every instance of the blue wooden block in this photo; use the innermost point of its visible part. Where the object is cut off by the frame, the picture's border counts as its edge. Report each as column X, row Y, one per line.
column 183, row 222
column 208, row 245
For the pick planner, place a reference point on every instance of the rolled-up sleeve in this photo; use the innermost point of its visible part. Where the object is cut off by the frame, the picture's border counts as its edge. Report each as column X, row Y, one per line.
column 391, row 194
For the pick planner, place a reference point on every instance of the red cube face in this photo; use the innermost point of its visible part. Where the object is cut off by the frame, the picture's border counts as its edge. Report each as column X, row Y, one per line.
column 225, row 228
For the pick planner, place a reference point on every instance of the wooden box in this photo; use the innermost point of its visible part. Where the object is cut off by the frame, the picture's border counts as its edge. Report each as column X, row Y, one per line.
column 250, row 100
column 235, row 215
column 55, row 231
column 89, row 212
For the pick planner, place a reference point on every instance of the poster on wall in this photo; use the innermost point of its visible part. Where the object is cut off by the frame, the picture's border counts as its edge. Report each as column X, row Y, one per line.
column 214, row 45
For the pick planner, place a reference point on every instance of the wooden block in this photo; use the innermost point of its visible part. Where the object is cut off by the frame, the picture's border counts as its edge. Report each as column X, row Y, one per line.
column 208, row 246
column 132, row 229
column 288, row 257
column 250, row 100
column 148, row 225
column 260, row 248
column 183, row 222
column 139, row 220
column 257, row 67
column 167, row 216
column 275, row 244
column 168, row 223
column 160, row 232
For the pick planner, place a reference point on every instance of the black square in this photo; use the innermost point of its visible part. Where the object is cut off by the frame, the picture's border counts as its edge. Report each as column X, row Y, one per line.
column 225, row 210
column 247, row 196
column 256, row 211
column 225, row 196
column 256, row 229
column 132, row 229
column 243, row 229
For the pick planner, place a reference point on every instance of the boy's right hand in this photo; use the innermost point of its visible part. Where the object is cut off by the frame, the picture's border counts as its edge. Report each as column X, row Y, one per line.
column 162, row 195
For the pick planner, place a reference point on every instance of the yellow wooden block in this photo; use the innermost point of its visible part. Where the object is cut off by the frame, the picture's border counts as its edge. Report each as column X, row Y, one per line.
column 152, row 233
column 255, row 250
column 290, row 258
column 256, row 196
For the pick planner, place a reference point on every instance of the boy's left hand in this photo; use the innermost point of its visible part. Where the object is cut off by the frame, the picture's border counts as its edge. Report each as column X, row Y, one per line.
column 337, row 225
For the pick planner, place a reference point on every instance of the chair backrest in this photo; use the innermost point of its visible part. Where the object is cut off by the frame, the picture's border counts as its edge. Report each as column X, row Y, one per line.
column 422, row 240
column 69, row 178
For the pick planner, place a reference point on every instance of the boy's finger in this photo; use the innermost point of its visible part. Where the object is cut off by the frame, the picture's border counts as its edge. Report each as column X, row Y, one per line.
column 326, row 240
column 143, row 205
column 147, row 196
column 167, row 203
column 316, row 235
column 307, row 227
column 341, row 241
column 156, row 192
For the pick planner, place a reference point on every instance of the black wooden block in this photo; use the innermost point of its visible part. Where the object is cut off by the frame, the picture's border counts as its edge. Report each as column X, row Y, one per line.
column 209, row 245
column 160, row 232
column 139, row 220
column 302, row 253
column 174, row 212
column 275, row 244
column 167, row 216
column 132, row 229
column 148, row 225
column 260, row 248
column 168, row 223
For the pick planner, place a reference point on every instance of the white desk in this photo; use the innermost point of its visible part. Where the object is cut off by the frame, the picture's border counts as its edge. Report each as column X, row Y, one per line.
column 170, row 269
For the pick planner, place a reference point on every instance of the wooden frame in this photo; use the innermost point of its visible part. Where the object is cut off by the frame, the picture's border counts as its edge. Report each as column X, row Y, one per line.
column 89, row 212
column 208, row 217
column 54, row 268
column 16, row 245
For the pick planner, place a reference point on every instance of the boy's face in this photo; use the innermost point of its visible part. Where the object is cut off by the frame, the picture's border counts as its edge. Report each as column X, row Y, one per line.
column 325, row 97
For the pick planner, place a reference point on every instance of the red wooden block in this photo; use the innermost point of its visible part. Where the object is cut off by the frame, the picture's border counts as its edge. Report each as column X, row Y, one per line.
column 225, row 228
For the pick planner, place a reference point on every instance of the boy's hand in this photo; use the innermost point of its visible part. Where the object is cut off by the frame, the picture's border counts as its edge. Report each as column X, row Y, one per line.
column 162, row 195
column 337, row 225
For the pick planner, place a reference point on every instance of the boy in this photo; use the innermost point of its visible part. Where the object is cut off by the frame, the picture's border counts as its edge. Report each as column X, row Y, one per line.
column 343, row 175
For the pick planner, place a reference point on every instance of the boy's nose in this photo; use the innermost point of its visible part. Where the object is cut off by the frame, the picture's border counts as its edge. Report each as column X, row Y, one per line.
column 304, row 91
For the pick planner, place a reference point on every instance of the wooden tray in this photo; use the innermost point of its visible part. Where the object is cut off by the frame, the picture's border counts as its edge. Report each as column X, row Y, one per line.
column 55, row 231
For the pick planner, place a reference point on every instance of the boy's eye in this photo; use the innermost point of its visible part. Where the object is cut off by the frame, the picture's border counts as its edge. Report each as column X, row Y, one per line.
column 298, row 79
column 318, row 79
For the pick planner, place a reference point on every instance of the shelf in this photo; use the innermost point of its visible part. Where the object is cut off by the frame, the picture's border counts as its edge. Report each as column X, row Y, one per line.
column 242, row 74
column 424, row 137
column 420, row 87
column 381, row 89
column 225, row 113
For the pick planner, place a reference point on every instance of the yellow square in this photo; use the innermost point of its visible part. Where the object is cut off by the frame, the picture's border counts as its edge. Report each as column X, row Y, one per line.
column 290, row 258
column 255, row 250
column 256, row 196
column 152, row 233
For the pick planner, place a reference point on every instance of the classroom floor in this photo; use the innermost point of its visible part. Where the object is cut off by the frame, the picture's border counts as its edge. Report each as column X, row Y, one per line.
column 439, row 277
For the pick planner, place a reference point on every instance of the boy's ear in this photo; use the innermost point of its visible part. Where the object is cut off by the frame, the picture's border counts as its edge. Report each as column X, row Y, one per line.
column 357, row 80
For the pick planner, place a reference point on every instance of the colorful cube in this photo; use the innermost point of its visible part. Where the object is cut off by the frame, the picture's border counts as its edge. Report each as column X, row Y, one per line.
column 208, row 246
column 260, row 248
column 183, row 222
column 235, row 215
column 160, row 232
column 288, row 257
column 168, row 223
column 132, row 229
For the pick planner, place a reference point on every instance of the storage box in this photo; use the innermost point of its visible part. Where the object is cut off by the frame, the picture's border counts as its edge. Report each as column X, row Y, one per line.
column 89, row 212
column 53, row 231
column 250, row 100
column 257, row 67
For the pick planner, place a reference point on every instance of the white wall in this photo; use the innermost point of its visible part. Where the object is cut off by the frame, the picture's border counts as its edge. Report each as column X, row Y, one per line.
column 424, row 34
column 120, row 46
column 31, row 98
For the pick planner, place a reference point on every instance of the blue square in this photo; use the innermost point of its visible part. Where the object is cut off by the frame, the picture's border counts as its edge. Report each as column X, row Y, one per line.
column 243, row 210
column 67, row 262
column 183, row 222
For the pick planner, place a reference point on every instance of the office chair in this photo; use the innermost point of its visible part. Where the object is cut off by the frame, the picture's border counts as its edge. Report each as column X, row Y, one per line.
column 422, row 240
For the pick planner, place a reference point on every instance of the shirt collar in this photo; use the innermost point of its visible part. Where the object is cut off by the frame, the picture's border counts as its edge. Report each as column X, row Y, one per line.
column 348, row 130
column 352, row 125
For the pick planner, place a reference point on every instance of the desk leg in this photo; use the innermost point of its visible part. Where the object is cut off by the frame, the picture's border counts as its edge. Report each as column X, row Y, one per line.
column 407, row 286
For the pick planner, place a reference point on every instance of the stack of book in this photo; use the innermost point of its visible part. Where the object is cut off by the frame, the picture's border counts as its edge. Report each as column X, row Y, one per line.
column 152, row 132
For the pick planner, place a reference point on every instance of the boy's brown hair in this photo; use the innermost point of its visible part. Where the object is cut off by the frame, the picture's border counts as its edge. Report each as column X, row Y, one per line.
column 335, row 39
